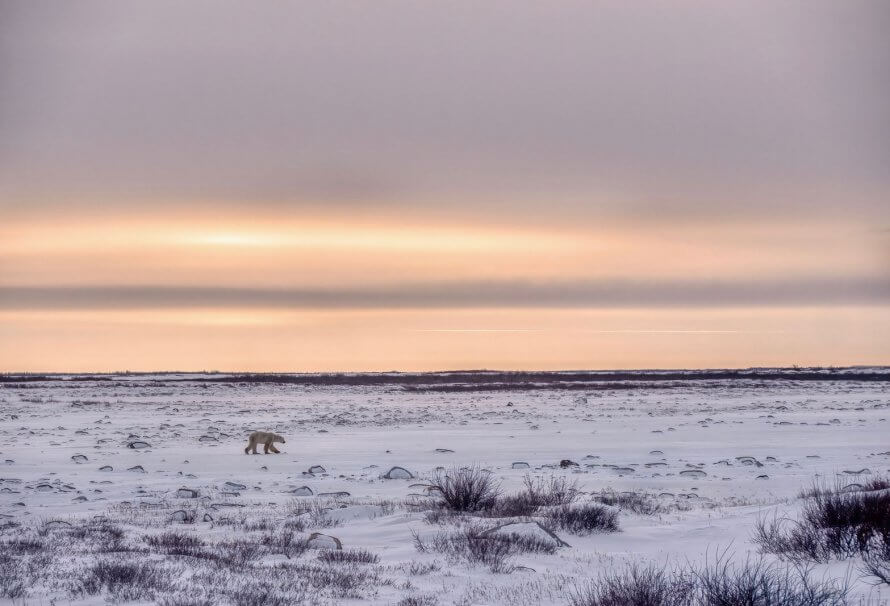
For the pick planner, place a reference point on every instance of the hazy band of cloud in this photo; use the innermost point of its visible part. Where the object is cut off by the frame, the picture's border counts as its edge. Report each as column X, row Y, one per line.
column 466, row 294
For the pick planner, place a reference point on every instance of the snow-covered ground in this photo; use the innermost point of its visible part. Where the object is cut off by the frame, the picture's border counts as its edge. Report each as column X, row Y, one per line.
column 715, row 456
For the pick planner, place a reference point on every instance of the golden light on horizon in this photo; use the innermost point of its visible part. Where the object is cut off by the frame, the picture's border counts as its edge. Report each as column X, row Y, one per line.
column 438, row 339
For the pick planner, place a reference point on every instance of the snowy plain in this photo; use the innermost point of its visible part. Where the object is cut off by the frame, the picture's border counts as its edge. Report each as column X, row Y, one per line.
column 148, row 453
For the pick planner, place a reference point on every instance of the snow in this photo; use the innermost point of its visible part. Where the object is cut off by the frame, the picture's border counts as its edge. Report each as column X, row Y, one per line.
column 717, row 454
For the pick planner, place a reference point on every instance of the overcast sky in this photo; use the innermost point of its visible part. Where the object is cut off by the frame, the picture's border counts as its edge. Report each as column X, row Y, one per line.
column 442, row 155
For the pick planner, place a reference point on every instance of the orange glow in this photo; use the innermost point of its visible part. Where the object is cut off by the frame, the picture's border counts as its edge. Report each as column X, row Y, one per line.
column 319, row 340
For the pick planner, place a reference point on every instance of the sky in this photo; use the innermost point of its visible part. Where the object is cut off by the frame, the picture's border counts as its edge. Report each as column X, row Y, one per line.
column 400, row 185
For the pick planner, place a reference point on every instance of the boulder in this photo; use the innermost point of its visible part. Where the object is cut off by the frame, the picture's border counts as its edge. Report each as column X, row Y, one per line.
column 398, row 473
column 317, row 469
column 324, row 541
column 138, row 444
column 567, row 463
column 693, row 473
column 302, row 491
column 187, row 493
column 520, row 465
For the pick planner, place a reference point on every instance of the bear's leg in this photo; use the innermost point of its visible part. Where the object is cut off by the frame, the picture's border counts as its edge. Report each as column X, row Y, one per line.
column 273, row 449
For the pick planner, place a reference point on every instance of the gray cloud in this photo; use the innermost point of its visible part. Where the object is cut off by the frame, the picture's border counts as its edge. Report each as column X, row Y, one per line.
column 459, row 295
column 585, row 106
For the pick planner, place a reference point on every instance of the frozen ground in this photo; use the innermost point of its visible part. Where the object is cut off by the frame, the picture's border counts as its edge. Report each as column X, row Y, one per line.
column 713, row 455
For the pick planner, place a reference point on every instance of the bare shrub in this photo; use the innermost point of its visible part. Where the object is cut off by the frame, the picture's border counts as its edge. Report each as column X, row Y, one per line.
column 124, row 580
column 473, row 545
column 419, row 600
column 259, row 594
column 12, row 583
column 634, row 502
column 541, row 492
column 181, row 600
column 832, row 524
column 584, row 519
column 286, row 542
column 175, row 543
column 637, row 586
column 467, row 489
column 236, row 552
column 348, row 556
column 342, row 581
column 259, row 524
column 415, row 568
column 22, row 545
column 311, row 514
column 761, row 584
column 720, row 583
column 876, row 562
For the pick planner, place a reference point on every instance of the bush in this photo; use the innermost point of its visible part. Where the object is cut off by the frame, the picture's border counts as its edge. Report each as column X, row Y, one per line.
column 348, row 556
column 286, row 543
column 472, row 545
column 175, row 543
column 718, row 584
column 467, row 489
column 638, row 586
column 584, row 519
column 123, row 580
column 538, row 493
column 832, row 524
column 761, row 584
column 630, row 501
column 12, row 585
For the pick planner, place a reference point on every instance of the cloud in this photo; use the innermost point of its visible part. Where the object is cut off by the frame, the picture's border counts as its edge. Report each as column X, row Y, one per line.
column 489, row 294
column 736, row 107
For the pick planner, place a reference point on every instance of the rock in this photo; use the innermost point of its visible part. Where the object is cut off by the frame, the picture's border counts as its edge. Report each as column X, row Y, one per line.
column 324, row 541
column 334, row 495
column 655, row 452
column 182, row 515
column 234, row 486
column 207, row 517
column 520, row 465
column 79, row 458
column 187, row 493
column 136, row 468
column 106, row 468
column 859, row 472
column 693, row 473
column 302, row 491
column 623, row 470
column 57, row 525
column 532, row 530
column 567, row 463
column 43, row 488
column 207, row 439
column 444, row 450
column 853, row 488
column 762, row 477
column 317, row 469
column 138, row 445
column 398, row 473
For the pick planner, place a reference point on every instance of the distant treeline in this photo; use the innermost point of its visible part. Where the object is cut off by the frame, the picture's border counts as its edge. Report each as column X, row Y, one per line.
column 492, row 380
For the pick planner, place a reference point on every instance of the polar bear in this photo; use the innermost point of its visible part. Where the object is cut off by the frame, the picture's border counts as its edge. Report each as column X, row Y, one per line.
column 266, row 439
